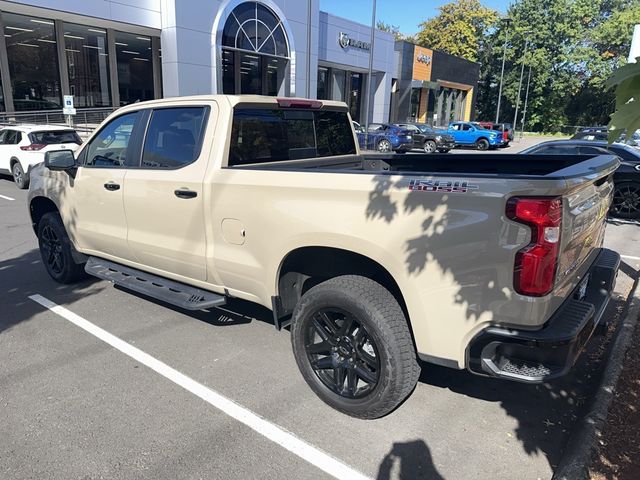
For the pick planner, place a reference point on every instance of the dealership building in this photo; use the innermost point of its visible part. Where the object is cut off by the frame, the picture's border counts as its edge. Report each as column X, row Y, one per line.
column 110, row 53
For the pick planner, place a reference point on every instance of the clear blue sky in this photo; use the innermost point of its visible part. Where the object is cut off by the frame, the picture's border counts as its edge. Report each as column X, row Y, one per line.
column 406, row 14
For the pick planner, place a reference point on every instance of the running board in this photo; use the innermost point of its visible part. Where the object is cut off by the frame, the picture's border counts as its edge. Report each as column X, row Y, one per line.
column 175, row 293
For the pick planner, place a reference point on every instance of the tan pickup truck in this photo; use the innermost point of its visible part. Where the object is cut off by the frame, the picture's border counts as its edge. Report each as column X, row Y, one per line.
column 490, row 262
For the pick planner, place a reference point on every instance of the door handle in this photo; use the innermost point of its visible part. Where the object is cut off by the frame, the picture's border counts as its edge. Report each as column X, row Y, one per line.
column 112, row 187
column 183, row 193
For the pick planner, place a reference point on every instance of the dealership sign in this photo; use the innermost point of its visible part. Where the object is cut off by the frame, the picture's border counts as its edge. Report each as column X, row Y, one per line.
column 424, row 58
column 345, row 42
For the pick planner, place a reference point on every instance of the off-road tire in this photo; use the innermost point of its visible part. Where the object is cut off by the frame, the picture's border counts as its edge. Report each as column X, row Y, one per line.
column 20, row 178
column 381, row 316
column 482, row 144
column 65, row 269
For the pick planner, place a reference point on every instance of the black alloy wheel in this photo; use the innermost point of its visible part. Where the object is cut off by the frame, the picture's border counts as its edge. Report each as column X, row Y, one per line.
column 482, row 144
column 626, row 200
column 342, row 353
column 51, row 250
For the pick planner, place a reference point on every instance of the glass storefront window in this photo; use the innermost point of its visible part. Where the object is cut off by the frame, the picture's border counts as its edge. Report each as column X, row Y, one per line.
column 255, row 53
column 338, row 85
column 415, row 103
column 355, row 98
column 88, row 65
column 33, row 62
column 135, row 68
column 323, row 83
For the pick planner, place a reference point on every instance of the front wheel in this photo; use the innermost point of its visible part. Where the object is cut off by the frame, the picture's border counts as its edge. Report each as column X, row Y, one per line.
column 384, row 146
column 353, row 347
column 19, row 177
column 626, row 200
column 429, row 146
column 482, row 144
column 55, row 249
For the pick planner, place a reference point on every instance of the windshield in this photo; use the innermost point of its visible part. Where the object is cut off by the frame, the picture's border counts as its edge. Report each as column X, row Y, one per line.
column 426, row 129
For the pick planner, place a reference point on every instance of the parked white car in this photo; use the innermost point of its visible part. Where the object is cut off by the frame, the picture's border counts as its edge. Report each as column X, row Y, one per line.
column 23, row 146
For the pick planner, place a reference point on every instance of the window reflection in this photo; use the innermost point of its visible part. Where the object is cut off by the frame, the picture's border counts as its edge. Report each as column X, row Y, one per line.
column 33, row 62
column 88, row 65
column 135, row 69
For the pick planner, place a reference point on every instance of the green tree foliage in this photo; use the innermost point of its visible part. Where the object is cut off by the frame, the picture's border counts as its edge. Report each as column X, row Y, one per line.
column 573, row 47
column 458, row 29
column 394, row 29
column 627, row 114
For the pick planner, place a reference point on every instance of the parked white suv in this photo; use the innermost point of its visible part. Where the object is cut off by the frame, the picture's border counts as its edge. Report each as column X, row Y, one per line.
column 23, row 146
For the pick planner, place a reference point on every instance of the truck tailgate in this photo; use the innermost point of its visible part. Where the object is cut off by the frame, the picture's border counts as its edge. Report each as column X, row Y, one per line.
column 584, row 216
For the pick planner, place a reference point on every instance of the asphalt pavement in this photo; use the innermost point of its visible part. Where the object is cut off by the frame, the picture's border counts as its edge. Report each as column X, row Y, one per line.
column 73, row 405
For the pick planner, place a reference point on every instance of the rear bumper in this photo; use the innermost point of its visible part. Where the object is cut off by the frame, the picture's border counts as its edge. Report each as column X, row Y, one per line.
column 540, row 355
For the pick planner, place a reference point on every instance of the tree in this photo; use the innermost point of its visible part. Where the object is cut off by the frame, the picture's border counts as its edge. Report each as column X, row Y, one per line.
column 458, row 29
column 573, row 46
column 394, row 29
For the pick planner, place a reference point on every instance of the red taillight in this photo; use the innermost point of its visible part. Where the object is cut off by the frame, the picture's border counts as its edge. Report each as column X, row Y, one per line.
column 535, row 267
column 505, row 135
column 298, row 103
column 33, row 147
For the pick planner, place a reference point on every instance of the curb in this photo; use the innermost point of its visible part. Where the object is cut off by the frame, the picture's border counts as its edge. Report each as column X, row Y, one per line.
column 576, row 460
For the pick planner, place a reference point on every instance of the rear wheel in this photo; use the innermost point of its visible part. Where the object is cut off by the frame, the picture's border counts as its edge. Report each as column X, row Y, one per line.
column 626, row 200
column 55, row 249
column 482, row 144
column 384, row 146
column 353, row 347
column 429, row 146
column 19, row 177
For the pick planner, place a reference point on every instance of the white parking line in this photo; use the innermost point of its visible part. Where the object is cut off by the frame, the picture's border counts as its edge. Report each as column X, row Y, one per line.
column 7, row 198
column 252, row 420
column 630, row 257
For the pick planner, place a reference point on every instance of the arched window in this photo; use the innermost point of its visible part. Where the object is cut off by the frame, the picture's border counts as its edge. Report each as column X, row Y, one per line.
column 255, row 51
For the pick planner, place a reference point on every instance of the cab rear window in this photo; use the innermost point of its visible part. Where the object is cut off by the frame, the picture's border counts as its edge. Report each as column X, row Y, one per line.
column 261, row 135
column 53, row 137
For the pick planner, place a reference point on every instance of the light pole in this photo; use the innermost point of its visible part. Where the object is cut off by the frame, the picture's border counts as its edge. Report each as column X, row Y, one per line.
column 372, row 41
column 524, row 57
column 526, row 99
column 506, row 21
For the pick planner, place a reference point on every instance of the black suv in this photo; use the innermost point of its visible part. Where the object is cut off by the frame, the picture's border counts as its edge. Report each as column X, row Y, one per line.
column 428, row 139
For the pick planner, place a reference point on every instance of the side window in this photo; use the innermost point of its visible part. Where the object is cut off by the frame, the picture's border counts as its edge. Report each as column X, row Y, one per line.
column 109, row 148
column 10, row 137
column 466, row 127
column 455, row 126
column 3, row 133
column 18, row 138
column 558, row 150
column 173, row 137
column 592, row 151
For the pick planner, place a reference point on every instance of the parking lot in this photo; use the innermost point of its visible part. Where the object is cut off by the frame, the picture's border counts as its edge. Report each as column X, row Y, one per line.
column 218, row 394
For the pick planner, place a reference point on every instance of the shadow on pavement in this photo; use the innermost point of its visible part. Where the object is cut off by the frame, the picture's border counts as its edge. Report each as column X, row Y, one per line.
column 408, row 460
column 25, row 275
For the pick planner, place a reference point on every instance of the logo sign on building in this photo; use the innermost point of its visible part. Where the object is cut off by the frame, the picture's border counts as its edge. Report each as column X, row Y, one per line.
column 345, row 42
column 424, row 58
column 68, row 108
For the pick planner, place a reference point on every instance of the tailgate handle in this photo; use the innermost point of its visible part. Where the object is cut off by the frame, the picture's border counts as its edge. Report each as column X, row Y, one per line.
column 111, row 186
column 184, row 193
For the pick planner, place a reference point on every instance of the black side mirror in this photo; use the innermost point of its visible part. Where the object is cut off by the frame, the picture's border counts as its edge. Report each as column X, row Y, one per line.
column 58, row 160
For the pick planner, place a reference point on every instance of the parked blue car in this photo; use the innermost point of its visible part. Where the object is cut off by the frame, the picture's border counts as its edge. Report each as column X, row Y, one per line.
column 385, row 137
column 469, row 134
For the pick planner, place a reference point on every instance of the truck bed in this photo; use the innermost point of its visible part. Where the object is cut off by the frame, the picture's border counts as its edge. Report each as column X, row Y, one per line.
column 470, row 165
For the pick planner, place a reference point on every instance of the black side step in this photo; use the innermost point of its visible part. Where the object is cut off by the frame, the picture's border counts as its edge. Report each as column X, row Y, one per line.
column 175, row 293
